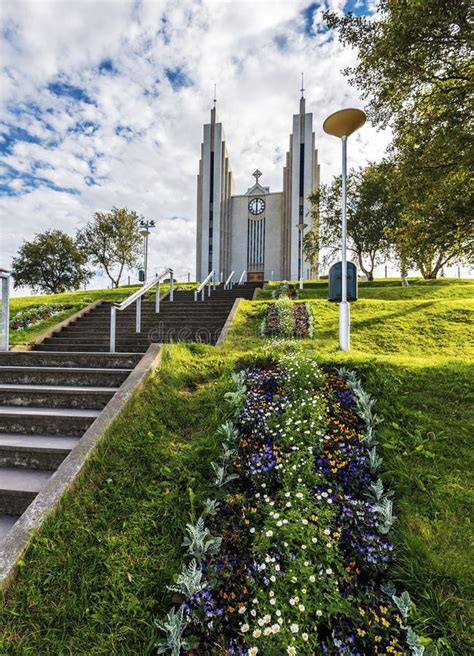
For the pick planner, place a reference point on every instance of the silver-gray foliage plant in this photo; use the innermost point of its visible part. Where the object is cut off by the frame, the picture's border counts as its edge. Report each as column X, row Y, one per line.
column 189, row 582
column 199, row 541
column 173, row 627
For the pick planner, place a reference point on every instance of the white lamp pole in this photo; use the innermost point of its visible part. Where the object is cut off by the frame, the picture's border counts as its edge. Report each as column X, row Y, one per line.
column 342, row 124
column 145, row 232
column 301, row 227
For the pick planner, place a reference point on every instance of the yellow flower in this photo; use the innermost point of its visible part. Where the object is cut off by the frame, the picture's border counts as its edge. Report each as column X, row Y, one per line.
column 361, row 632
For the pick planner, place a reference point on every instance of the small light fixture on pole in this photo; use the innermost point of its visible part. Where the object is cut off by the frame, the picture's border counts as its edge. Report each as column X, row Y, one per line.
column 301, row 227
column 145, row 226
column 342, row 124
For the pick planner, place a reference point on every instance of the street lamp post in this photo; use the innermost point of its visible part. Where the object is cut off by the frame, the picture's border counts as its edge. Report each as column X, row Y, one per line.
column 301, row 227
column 145, row 226
column 342, row 124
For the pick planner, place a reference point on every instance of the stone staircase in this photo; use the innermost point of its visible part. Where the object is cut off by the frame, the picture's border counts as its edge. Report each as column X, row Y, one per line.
column 50, row 396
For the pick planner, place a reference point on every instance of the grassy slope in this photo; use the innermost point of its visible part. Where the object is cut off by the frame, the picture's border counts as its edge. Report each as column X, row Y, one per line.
column 95, row 577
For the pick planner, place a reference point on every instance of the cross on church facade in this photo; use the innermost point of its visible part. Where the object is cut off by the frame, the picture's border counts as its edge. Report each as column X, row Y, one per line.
column 257, row 174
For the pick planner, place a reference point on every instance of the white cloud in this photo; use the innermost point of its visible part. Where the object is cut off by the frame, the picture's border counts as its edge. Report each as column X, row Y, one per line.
column 139, row 139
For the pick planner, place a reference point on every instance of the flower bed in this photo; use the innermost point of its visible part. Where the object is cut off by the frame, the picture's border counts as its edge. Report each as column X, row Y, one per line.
column 31, row 316
column 287, row 319
column 292, row 555
column 285, row 290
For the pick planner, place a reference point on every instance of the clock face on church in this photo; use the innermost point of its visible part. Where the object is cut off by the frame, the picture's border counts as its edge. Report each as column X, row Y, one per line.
column 256, row 206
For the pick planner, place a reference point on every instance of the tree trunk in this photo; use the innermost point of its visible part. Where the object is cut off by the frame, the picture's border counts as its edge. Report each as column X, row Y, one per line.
column 404, row 271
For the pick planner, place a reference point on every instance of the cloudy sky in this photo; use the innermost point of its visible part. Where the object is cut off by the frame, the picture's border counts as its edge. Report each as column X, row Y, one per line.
column 102, row 104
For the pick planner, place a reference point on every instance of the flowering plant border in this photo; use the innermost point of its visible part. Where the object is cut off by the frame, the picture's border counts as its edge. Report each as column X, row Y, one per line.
column 292, row 554
column 27, row 318
column 286, row 319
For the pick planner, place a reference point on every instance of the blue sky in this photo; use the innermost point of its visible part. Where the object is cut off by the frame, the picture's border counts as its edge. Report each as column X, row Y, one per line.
column 105, row 107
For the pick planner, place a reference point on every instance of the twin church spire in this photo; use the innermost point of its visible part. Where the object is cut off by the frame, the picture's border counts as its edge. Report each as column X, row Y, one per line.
column 256, row 233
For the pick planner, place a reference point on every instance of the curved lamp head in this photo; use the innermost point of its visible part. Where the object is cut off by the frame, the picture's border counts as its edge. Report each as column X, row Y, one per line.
column 344, row 122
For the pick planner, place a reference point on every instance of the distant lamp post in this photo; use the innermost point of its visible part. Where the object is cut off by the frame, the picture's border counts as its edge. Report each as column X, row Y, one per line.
column 301, row 227
column 145, row 226
column 342, row 124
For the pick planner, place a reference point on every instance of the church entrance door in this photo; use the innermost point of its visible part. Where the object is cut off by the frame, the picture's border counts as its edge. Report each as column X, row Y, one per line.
column 255, row 276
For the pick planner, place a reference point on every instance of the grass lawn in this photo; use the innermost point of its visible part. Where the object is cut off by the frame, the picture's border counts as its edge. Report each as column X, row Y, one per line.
column 95, row 577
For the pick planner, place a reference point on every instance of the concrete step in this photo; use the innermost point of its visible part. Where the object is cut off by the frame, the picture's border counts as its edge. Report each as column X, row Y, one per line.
column 35, row 451
column 55, row 396
column 18, row 488
column 82, row 376
column 6, row 522
column 93, row 348
column 104, row 329
column 92, row 359
column 46, row 421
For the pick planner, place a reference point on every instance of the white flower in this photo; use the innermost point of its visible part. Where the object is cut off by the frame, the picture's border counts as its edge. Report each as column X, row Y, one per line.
column 267, row 619
column 294, row 628
column 271, row 593
column 242, row 610
column 291, row 651
column 260, row 622
column 267, row 630
column 272, row 601
column 252, row 530
column 253, row 651
column 304, row 522
column 305, row 637
column 278, row 613
column 301, row 607
column 244, row 628
column 292, row 602
column 299, row 495
column 269, row 533
column 253, row 612
column 314, row 540
column 327, row 531
column 319, row 613
column 288, row 504
column 273, row 578
column 329, row 570
column 276, row 628
column 257, row 633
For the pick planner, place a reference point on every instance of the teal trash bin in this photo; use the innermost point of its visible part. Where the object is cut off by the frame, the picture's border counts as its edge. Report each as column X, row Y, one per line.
column 335, row 282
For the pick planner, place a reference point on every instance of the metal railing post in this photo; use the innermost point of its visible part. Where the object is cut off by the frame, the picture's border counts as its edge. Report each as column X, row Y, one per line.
column 113, row 316
column 157, row 299
column 138, row 318
column 203, row 295
column 171, row 285
column 5, row 311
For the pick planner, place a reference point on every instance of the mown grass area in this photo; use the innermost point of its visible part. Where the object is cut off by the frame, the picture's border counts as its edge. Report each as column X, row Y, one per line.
column 95, row 577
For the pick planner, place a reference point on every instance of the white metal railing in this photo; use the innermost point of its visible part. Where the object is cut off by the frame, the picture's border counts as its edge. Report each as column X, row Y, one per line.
column 136, row 297
column 229, row 282
column 241, row 279
column 208, row 280
column 5, row 309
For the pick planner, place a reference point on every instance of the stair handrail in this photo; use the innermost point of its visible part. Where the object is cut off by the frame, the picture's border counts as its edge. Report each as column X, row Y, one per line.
column 137, row 297
column 229, row 281
column 241, row 279
column 202, row 287
column 5, row 297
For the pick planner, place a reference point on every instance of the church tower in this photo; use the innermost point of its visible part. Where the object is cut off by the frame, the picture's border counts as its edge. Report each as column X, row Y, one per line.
column 214, row 190
column 259, row 233
column 300, row 179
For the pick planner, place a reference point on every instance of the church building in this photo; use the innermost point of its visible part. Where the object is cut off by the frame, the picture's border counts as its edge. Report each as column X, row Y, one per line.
column 259, row 231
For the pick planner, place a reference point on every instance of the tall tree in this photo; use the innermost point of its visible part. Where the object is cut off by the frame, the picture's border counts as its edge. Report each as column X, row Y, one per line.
column 52, row 262
column 371, row 211
column 111, row 240
column 415, row 70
